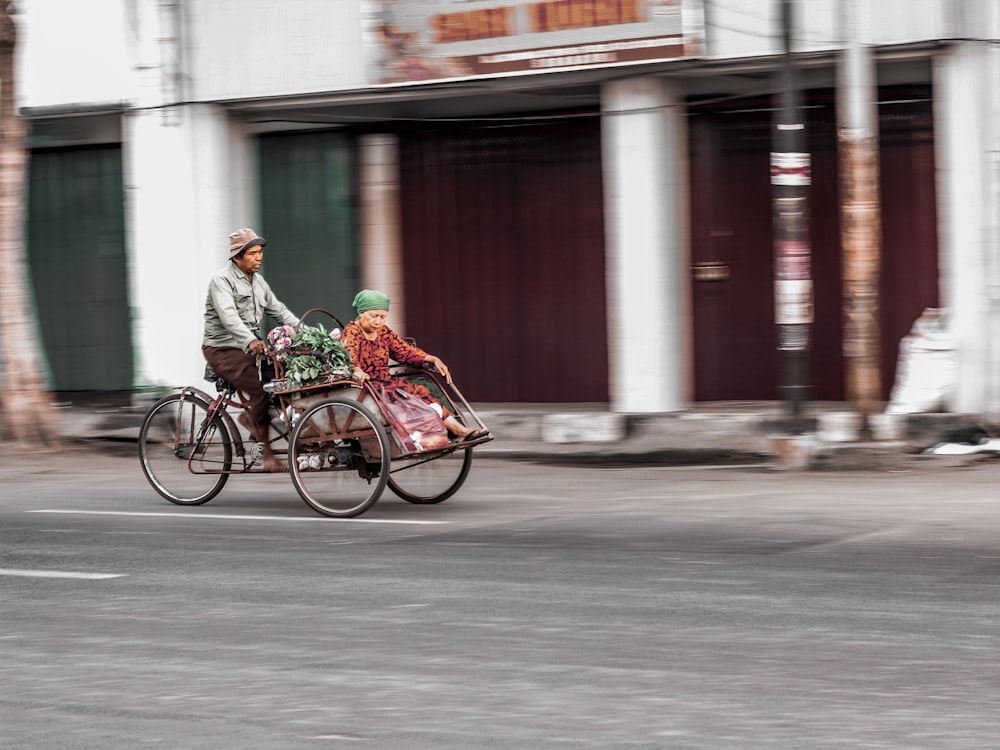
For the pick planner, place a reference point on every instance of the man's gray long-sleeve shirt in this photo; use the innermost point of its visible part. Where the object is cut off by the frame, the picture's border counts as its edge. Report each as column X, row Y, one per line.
column 236, row 306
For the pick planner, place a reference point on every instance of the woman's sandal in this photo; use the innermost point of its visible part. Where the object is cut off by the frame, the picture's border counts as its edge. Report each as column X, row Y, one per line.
column 475, row 435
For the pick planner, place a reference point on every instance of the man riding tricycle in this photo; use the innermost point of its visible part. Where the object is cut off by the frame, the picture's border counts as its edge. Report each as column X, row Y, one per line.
column 347, row 411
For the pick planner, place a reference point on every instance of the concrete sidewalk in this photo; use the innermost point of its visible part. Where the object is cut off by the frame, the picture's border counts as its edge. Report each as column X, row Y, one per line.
column 722, row 432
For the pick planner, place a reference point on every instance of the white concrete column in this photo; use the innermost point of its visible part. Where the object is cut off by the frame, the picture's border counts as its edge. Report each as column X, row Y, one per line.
column 991, row 228
column 967, row 123
column 189, row 182
column 644, row 136
column 381, row 246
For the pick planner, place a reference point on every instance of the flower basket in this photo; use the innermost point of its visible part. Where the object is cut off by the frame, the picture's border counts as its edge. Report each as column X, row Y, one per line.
column 310, row 356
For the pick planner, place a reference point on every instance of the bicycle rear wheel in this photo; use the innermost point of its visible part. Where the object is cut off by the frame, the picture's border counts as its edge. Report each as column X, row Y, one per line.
column 426, row 481
column 185, row 456
column 338, row 454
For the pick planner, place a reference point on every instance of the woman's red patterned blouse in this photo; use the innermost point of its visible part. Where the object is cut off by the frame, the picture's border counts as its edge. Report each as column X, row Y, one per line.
column 373, row 356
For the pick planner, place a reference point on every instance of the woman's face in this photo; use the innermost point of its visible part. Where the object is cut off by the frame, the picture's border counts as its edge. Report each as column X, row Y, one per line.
column 372, row 320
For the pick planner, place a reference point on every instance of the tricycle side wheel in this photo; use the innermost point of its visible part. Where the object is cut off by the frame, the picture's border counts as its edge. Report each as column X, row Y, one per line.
column 338, row 455
column 429, row 481
column 185, row 456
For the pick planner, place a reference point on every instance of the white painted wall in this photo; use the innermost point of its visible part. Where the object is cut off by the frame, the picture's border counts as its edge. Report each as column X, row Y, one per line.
column 94, row 51
column 900, row 21
column 247, row 48
column 738, row 28
column 992, row 214
column 74, row 52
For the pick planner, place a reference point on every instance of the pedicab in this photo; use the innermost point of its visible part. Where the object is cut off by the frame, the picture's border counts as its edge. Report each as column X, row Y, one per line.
column 344, row 443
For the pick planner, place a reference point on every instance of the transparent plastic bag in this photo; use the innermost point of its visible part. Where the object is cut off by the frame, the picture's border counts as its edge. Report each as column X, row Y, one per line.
column 416, row 424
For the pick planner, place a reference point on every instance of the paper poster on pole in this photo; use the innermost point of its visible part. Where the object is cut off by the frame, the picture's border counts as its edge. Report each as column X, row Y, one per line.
column 791, row 169
column 793, row 301
column 793, row 289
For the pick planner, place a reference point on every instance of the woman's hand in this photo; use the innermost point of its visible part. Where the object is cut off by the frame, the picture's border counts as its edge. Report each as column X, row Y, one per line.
column 360, row 375
column 440, row 366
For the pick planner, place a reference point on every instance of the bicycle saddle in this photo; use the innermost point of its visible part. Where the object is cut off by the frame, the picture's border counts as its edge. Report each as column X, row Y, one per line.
column 221, row 384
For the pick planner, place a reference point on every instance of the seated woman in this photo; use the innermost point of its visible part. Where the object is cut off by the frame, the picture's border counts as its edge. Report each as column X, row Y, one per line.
column 371, row 343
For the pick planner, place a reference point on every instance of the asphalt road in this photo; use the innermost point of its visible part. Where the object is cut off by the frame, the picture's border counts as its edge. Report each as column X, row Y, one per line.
column 542, row 607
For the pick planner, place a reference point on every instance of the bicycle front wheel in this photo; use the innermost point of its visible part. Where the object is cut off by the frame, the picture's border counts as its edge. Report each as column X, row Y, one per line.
column 338, row 454
column 184, row 455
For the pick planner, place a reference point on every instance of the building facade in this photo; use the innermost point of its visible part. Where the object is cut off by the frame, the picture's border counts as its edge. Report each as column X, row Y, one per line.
column 568, row 201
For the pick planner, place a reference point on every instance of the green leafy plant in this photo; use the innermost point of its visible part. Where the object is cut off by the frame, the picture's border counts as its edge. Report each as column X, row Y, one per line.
column 314, row 353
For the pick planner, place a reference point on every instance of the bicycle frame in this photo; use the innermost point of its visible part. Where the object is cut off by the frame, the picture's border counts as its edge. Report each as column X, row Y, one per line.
column 217, row 407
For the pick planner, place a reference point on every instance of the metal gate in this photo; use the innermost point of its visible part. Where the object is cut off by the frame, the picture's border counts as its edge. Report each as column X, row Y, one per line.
column 732, row 243
column 503, row 240
column 308, row 197
column 76, row 254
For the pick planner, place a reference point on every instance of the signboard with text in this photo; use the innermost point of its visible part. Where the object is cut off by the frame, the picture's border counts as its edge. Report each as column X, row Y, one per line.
column 427, row 40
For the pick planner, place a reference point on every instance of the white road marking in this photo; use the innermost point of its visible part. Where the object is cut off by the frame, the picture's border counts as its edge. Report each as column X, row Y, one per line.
column 58, row 574
column 712, row 467
column 311, row 519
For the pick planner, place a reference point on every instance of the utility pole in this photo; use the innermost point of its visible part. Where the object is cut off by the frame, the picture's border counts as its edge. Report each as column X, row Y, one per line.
column 791, row 175
column 857, row 140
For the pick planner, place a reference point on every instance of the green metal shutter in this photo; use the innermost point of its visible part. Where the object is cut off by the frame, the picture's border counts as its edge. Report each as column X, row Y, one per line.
column 307, row 191
column 76, row 254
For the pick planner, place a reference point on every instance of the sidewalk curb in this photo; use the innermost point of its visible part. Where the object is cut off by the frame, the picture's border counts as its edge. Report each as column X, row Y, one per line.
column 594, row 437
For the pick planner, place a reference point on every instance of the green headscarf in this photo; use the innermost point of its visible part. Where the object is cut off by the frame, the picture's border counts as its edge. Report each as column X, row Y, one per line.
column 369, row 299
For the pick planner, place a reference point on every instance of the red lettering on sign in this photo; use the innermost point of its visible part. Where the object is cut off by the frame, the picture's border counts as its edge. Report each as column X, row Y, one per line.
column 577, row 14
column 472, row 24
